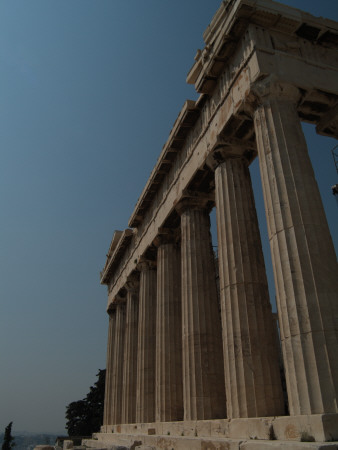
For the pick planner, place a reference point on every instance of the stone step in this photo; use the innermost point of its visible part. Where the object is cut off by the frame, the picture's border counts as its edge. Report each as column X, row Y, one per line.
column 114, row 441
column 318, row 428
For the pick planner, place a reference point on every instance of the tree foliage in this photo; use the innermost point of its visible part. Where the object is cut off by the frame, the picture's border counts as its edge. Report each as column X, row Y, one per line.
column 85, row 417
column 8, row 442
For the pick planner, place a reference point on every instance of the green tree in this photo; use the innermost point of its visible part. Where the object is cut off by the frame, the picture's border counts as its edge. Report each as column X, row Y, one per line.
column 78, row 419
column 8, row 442
column 85, row 417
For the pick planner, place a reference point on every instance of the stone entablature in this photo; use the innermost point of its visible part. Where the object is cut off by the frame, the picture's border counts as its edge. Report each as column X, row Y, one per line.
column 162, row 298
column 117, row 249
column 229, row 24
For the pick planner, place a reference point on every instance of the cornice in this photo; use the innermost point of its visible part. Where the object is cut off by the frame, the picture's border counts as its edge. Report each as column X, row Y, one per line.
column 184, row 122
column 113, row 257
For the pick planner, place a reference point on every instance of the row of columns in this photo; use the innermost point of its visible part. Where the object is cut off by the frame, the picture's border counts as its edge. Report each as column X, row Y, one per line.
column 169, row 354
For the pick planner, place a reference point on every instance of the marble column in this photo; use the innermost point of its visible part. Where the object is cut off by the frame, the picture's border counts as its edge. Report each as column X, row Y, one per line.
column 130, row 351
column 117, row 369
column 252, row 375
column 107, row 417
column 203, row 373
column 145, row 383
column 169, row 387
column 303, row 256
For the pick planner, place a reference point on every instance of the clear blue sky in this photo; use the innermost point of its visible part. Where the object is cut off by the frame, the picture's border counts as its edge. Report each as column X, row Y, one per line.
column 89, row 91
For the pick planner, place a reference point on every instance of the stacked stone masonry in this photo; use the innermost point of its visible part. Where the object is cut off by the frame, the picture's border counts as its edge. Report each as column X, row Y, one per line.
column 181, row 349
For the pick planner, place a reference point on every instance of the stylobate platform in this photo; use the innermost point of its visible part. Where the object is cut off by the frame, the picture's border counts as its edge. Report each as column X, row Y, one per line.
column 318, row 431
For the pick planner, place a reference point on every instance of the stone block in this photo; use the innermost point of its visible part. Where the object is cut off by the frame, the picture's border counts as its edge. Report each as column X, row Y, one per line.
column 289, row 428
column 158, row 426
column 43, row 447
column 284, row 445
column 259, row 428
column 128, row 428
column 320, row 427
column 186, row 443
column 213, row 445
column 142, row 428
column 165, row 442
column 189, row 428
column 238, row 429
column 67, row 445
column 203, row 428
column 330, row 427
column 144, row 447
column 173, row 428
column 219, row 428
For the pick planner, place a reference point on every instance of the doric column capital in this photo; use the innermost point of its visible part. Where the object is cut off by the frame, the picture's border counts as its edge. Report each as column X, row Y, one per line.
column 120, row 298
column 269, row 88
column 194, row 200
column 111, row 309
column 145, row 264
column 224, row 151
column 166, row 236
column 133, row 283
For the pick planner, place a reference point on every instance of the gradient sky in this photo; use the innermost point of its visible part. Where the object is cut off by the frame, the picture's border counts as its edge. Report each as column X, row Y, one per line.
column 89, row 91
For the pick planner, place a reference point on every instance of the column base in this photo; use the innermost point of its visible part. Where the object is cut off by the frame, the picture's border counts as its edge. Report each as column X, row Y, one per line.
column 318, row 431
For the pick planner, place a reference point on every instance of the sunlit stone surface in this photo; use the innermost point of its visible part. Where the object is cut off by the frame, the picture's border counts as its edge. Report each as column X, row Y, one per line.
column 176, row 343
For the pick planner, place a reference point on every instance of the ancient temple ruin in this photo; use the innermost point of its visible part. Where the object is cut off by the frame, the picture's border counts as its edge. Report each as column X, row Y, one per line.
column 188, row 367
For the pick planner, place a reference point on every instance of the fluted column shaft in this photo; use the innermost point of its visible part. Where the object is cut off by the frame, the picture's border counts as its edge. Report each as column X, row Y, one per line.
column 145, row 384
column 107, row 418
column 169, row 387
column 252, row 376
column 130, row 353
column 117, row 369
column 203, row 373
column 305, row 265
